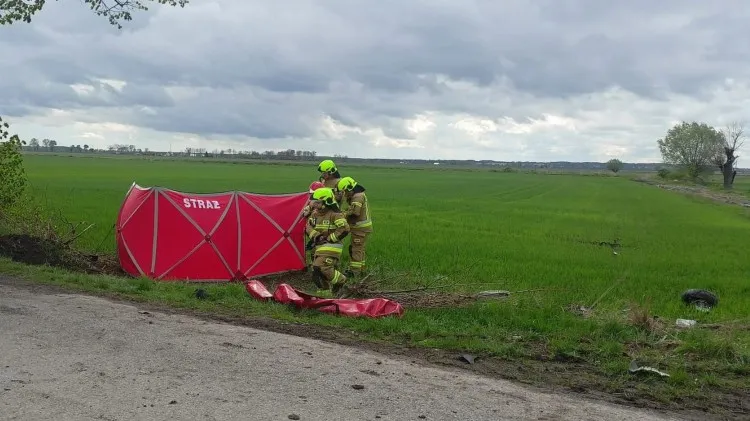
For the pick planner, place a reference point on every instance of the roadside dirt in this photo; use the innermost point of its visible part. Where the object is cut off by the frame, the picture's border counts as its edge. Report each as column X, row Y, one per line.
column 135, row 362
column 545, row 373
column 706, row 193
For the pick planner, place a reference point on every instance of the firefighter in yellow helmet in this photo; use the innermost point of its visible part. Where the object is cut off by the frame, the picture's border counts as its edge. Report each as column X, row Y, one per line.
column 358, row 218
column 329, row 174
column 326, row 230
column 307, row 212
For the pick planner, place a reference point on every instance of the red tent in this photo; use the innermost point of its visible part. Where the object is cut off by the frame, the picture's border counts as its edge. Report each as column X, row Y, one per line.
column 233, row 236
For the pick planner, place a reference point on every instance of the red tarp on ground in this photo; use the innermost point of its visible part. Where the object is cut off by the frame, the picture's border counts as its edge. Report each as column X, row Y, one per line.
column 233, row 236
column 286, row 294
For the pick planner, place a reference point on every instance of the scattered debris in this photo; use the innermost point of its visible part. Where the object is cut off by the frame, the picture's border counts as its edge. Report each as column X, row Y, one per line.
column 468, row 358
column 634, row 368
column 579, row 310
column 685, row 323
column 420, row 297
column 493, row 294
column 613, row 245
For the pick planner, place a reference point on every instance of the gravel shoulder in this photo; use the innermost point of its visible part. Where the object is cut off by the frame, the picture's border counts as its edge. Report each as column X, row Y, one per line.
column 69, row 356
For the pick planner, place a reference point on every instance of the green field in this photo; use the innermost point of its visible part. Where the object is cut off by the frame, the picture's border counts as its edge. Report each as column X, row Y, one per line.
column 482, row 230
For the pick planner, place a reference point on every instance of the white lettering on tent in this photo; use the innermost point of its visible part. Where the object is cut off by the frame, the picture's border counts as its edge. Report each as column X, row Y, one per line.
column 200, row 203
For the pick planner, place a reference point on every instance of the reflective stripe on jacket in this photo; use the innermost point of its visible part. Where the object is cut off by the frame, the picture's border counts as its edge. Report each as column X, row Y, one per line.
column 358, row 213
column 333, row 226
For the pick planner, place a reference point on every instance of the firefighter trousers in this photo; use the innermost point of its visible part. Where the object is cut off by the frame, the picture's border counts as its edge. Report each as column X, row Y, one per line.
column 326, row 272
column 357, row 251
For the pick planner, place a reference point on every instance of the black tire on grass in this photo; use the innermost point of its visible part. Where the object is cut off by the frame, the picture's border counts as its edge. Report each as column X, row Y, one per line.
column 700, row 297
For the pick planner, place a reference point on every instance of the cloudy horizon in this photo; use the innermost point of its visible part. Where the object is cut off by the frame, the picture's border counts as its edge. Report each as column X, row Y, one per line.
column 535, row 80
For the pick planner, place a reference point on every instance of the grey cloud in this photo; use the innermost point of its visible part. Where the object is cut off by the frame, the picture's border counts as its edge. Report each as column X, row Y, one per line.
column 37, row 95
column 24, row 92
column 144, row 95
column 242, row 112
column 15, row 110
column 272, row 72
column 55, row 68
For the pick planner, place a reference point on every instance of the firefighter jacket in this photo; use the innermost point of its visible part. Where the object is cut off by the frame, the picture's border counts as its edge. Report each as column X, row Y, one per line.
column 358, row 213
column 330, row 228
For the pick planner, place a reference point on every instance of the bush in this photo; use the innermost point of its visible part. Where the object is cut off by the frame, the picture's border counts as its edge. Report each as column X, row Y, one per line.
column 614, row 165
column 29, row 215
column 12, row 174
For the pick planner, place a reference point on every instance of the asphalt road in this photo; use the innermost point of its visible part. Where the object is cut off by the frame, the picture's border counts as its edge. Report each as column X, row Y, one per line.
column 76, row 357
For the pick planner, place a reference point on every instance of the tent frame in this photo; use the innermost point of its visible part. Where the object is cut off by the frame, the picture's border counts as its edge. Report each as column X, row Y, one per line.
column 236, row 275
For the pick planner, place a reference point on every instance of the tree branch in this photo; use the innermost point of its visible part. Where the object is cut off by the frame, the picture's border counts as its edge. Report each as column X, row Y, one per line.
column 115, row 10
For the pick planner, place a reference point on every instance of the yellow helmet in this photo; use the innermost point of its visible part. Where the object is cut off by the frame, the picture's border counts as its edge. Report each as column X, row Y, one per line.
column 346, row 184
column 325, row 195
column 327, row 166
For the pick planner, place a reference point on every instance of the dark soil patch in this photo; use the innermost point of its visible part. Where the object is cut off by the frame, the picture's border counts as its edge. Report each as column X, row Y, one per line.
column 40, row 251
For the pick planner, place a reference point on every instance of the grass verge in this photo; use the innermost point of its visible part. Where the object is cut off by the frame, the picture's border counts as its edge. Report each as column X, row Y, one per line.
column 590, row 356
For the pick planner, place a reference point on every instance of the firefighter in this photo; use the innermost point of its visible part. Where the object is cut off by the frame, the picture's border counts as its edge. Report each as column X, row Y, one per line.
column 327, row 228
column 307, row 210
column 329, row 174
column 358, row 218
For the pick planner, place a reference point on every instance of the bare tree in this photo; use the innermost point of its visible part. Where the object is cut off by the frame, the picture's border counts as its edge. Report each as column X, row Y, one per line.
column 726, row 154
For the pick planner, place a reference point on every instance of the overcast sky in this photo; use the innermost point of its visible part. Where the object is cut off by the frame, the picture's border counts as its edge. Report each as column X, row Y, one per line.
column 497, row 79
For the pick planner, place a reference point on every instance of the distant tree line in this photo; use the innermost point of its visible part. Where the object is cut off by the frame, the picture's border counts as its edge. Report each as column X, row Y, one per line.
column 49, row 145
column 689, row 149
